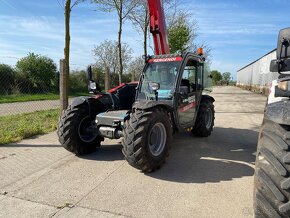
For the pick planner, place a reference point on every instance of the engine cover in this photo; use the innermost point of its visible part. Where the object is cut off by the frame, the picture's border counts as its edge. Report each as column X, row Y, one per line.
column 112, row 118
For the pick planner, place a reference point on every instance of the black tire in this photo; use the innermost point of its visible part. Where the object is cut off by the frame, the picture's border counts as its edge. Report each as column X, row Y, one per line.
column 145, row 145
column 73, row 133
column 272, row 177
column 205, row 119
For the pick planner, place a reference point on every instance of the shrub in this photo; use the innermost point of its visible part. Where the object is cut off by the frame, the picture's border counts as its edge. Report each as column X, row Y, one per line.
column 7, row 79
column 36, row 74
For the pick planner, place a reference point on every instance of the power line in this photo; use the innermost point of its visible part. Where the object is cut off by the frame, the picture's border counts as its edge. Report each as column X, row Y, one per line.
column 61, row 5
column 11, row 57
column 8, row 4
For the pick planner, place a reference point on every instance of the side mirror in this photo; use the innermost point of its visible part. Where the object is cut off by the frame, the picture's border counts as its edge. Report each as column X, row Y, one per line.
column 282, row 63
column 93, row 87
column 273, row 66
column 280, row 66
column 154, row 86
column 283, row 45
column 89, row 73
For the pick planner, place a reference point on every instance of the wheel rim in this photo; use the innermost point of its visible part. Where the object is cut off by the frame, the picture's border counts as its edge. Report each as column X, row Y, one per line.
column 157, row 139
column 85, row 130
column 208, row 118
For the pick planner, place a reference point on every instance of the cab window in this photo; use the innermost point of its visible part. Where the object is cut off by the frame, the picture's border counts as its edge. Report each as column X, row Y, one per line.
column 189, row 75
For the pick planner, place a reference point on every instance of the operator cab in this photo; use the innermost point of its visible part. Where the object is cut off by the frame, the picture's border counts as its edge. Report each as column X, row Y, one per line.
column 161, row 71
column 175, row 81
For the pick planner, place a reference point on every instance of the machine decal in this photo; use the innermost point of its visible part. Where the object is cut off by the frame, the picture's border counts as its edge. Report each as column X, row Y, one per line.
column 187, row 107
column 166, row 59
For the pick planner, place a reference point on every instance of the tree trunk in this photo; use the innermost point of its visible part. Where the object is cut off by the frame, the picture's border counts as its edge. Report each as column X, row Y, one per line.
column 67, row 46
column 145, row 43
column 133, row 76
column 145, row 32
column 107, row 79
column 120, row 43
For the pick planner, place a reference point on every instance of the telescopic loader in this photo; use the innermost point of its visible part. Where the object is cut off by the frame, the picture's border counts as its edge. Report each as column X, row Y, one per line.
column 169, row 96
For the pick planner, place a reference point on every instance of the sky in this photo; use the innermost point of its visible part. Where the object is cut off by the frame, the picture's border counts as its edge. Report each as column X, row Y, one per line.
column 237, row 31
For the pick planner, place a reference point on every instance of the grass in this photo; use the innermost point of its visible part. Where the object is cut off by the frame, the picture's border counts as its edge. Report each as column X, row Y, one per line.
column 27, row 97
column 34, row 97
column 17, row 127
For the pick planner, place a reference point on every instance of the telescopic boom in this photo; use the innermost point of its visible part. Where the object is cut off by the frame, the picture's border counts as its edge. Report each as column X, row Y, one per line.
column 158, row 27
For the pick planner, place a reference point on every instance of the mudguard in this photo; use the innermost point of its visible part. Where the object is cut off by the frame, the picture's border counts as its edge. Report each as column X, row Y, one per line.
column 95, row 105
column 143, row 105
column 80, row 100
column 278, row 112
column 207, row 97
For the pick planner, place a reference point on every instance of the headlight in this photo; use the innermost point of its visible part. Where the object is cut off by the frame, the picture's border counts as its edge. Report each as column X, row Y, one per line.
column 284, row 85
column 93, row 85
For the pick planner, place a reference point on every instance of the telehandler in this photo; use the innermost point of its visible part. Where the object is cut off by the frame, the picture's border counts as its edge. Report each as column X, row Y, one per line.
column 170, row 96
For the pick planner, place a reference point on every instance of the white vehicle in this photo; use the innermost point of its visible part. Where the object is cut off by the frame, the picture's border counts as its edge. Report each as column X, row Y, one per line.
column 272, row 168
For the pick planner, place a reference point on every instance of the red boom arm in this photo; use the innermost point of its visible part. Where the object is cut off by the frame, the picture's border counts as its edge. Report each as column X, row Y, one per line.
column 158, row 27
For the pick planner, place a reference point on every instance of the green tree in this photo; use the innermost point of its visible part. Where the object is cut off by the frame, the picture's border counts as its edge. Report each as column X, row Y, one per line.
column 39, row 71
column 227, row 77
column 7, row 79
column 78, row 81
column 216, row 76
column 179, row 36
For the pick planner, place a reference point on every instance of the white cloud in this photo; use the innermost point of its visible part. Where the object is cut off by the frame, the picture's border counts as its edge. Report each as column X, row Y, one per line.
column 45, row 35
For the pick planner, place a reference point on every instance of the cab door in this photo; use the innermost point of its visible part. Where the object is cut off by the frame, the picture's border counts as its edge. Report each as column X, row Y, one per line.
column 187, row 106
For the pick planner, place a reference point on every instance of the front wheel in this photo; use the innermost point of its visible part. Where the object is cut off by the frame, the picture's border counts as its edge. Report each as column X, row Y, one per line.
column 75, row 130
column 205, row 119
column 147, row 139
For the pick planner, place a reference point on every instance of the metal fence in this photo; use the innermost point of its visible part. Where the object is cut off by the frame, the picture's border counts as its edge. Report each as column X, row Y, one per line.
column 19, row 94
column 257, row 76
column 27, row 91
column 33, row 88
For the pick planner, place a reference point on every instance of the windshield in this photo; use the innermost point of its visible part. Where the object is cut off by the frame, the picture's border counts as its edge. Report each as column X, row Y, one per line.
column 163, row 73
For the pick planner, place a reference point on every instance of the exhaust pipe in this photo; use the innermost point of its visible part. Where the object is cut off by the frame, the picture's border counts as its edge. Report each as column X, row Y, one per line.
column 110, row 132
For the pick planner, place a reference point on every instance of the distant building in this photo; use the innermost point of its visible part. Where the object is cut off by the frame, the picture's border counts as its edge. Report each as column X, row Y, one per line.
column 256, row 76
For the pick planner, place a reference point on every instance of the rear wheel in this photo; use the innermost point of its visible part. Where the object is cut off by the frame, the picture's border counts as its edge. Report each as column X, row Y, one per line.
column 147, row 139
column 205, row 119
column 272, row 171
column 75, row 130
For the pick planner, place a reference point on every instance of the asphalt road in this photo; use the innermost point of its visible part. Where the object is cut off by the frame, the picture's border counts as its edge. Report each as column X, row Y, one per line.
column 28, row 106
column 203, row 177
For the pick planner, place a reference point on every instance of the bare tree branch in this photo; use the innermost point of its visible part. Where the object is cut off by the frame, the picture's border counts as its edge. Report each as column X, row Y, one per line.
column 76, row 3
column 106, row 55
column 60, row 5
column 123, row 9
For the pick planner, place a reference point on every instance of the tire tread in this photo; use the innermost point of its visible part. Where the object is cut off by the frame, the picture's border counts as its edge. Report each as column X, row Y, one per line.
column 272, row 181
